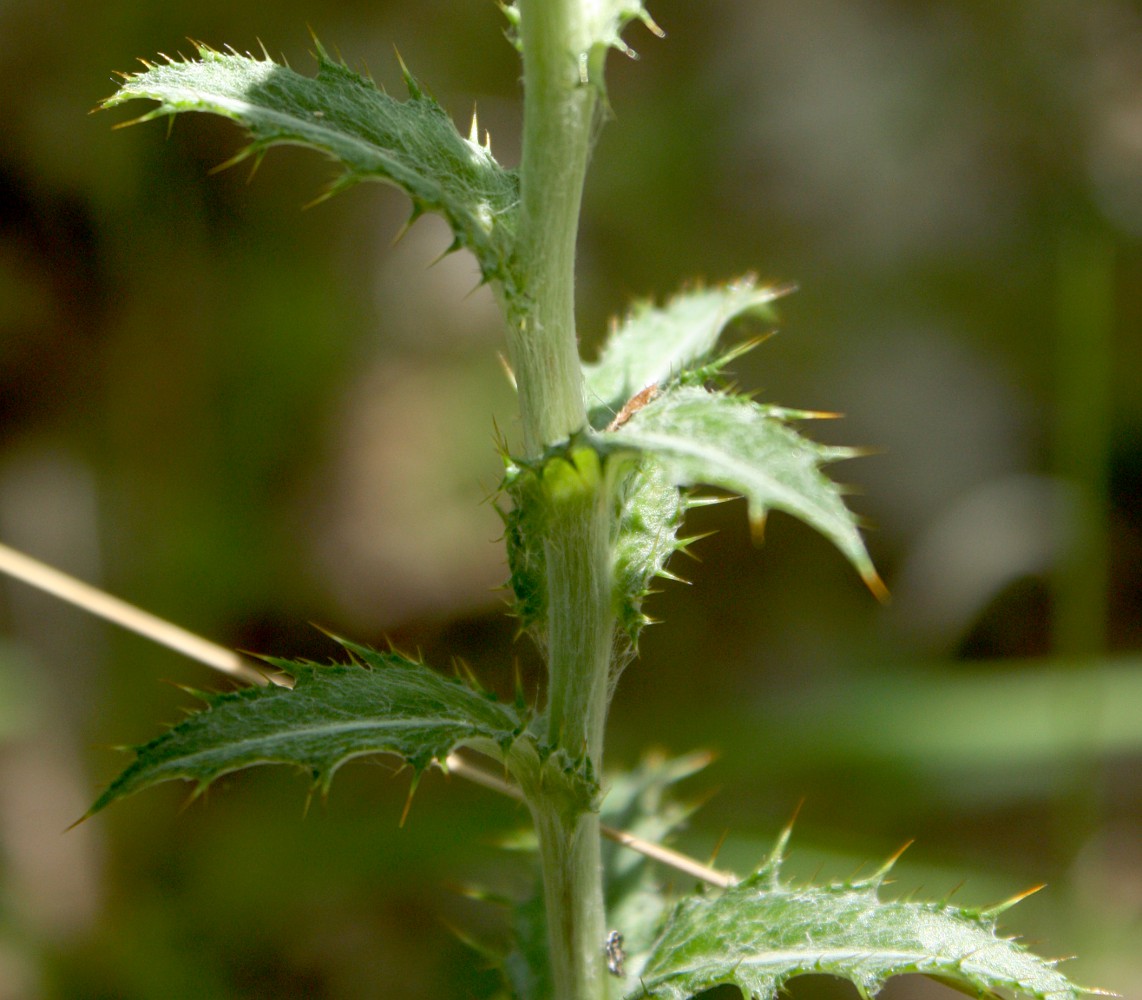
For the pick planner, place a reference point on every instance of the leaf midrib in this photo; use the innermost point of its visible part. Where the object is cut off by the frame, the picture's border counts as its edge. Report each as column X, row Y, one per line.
column 249, row 744
column 247, row 110
column 666, row 444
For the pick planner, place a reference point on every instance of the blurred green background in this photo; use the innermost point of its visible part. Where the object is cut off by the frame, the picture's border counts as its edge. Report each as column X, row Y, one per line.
column 250, row 416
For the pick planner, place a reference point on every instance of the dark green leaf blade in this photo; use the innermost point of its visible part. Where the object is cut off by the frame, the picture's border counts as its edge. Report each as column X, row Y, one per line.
column 654, row 344
column 733, row 443
column 390, row 704
column 412, row 144
column 764, row 932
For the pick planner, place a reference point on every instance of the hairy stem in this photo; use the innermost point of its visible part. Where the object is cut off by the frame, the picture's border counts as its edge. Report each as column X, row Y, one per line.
column 580, row 639
column 559, row 112
column 570, row 861
column 559, row 116
column 580, row 618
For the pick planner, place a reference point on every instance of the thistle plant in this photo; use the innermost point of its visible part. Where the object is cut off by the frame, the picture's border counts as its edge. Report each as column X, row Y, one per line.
column 593, row 499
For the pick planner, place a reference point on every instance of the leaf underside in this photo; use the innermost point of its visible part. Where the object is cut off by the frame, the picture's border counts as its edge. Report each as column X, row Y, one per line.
column 386, row 703
column 679, row 436
column 653, row 345
column 764, row 932
column 411, row 144
column 697, row 437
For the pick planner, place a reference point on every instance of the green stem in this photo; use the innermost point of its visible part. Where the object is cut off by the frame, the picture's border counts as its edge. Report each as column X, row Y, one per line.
column 580, row 638
column 580, row 617
column 559, row 117
column 570, row 862
column 559, row 114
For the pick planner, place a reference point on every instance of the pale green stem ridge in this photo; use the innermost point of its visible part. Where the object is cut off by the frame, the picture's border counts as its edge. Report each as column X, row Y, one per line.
column 570, row 860
column 559, row 117
column 580, row 632
column 580, row 622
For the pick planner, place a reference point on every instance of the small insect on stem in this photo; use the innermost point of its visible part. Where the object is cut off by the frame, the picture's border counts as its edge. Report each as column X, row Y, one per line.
column 616, row 956
column 633, row 405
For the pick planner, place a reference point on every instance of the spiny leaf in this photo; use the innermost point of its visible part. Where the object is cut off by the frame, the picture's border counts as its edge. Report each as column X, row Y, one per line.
column 411, row 144
column 651, row 509
column 607, row 20
column 763, row 932
column 640, row 802
column 653, row 345
column 611, row 17
column 699, row 437
column 386, row 703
